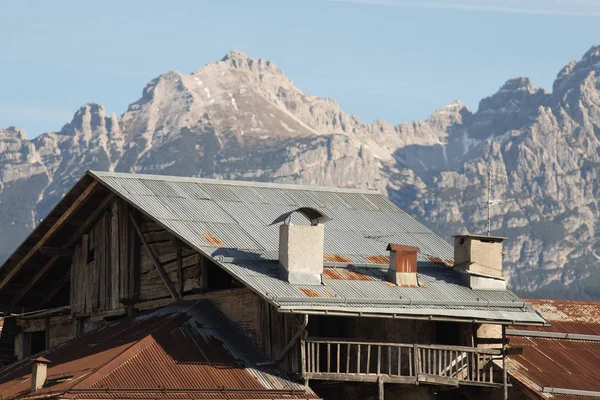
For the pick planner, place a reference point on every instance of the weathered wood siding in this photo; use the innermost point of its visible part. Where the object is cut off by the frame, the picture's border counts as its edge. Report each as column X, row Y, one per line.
column 278, row 330
column 175, row 259
column 100, row 269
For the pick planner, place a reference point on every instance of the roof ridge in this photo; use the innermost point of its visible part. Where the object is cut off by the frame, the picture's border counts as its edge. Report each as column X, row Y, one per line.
column 225, row 182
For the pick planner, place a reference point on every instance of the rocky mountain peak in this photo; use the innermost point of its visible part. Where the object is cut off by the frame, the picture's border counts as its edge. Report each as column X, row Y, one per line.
column 455, row 113
column 88, row 118
column 578, row 71
column 13, row 132
column 241, row 61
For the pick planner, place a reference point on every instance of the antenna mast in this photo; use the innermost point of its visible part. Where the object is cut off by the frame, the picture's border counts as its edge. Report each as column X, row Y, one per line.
column 491, row 175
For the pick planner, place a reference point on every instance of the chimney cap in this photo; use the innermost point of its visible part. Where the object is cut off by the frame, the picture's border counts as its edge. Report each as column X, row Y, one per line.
column 402, row 247
column 312, row 214
column 482, row 237
column 41, row 360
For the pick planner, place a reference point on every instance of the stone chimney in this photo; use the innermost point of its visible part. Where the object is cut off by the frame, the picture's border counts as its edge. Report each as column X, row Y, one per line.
column 403, row 265
column 39, row 373
column 479, row 258
column 301, row 247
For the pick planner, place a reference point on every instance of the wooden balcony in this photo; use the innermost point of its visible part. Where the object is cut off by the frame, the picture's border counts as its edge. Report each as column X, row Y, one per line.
column 340, row 360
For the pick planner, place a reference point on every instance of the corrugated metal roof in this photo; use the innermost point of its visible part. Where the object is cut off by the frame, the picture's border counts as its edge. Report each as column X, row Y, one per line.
column 559, row 363
column 181, row 351
column 233, row 219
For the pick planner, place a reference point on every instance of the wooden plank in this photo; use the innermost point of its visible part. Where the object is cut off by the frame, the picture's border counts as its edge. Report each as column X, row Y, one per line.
column 114, row 256
column 76, row 204
column 123, row 250
column 157, row 265
column 437, row 380
column 83, row 276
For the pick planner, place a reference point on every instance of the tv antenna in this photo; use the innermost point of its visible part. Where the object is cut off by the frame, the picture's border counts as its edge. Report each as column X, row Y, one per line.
column 491, row 176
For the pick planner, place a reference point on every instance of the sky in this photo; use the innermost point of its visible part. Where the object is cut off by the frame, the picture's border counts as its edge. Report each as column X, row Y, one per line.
column 397, row 60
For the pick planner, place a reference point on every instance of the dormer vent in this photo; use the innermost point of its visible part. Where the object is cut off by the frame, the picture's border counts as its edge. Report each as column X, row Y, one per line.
column 403, row 265
column 301, row 247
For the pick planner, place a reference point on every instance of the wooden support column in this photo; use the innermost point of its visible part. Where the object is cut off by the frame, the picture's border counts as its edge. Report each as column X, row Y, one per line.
column 155, row 261
column 380, row 386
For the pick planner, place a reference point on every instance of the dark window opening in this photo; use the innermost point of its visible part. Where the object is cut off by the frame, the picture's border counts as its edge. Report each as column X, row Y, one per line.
column 217, row 278
column 447, row 333
column 34, row 342
column 90, row 256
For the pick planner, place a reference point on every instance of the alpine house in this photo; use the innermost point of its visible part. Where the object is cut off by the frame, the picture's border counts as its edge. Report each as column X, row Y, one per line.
column 147, row 287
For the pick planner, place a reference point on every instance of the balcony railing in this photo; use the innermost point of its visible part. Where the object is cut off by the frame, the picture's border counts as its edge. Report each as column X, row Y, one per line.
column 331, row 359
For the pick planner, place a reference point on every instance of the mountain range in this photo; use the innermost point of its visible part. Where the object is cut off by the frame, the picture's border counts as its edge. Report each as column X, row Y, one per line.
column 243, row 118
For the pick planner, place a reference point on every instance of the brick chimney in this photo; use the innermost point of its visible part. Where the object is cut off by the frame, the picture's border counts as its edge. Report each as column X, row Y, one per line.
column 403, row 265
column 39, row 373
column 479, row 258
column 301, row 247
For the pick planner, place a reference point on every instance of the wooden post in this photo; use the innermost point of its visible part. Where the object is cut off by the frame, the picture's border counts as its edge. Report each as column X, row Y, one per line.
column 155, row 261
column 417, row 362
column 380, row 384
column 504, row 373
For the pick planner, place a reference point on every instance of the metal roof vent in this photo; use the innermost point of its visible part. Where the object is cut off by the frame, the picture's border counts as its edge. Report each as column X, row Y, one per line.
column 39, row 373
column 301, row 247
column 403, row 265
column 479, row 258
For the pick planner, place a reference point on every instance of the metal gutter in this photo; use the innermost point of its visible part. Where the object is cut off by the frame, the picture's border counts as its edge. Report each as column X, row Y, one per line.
column 553, row 335
column 574, row 392
column 400, row 301
column 342, row 313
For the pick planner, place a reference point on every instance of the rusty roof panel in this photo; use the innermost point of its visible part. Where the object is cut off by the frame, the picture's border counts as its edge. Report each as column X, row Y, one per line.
column 559, row 363
column 181, row 351
column 568, row 364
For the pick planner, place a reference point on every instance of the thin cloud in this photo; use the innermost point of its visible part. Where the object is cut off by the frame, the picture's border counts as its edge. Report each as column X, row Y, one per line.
column 570, row 8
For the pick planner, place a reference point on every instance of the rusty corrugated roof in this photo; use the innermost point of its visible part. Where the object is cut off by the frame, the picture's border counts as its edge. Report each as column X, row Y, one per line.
column 555, row 362
column 181, row 351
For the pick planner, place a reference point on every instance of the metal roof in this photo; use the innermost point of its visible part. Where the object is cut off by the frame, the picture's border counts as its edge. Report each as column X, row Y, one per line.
column 555, row 364
column 231, row 222
column 183, row 351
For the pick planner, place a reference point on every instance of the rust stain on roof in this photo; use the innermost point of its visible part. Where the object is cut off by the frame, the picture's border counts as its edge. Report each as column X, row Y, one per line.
column 332, row 274
column 450, row 261
column 346, row 274
column 567, row 316
column 309, row 292
column 379, row 259
column 210, row 238
column 354, row 275
column 437, row 260
column 337, row 258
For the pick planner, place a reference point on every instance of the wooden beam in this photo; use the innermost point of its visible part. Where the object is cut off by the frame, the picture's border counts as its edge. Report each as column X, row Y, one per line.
column 159, row 268
column 56, row 251
column 76, row 204
column 82, row 228
column 41, row 272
